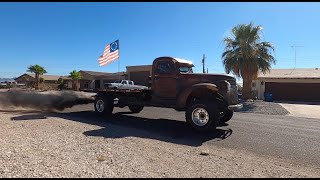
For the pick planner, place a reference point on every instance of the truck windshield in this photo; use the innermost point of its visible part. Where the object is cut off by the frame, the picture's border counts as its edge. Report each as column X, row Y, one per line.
column 117, row 81
column 185, row 69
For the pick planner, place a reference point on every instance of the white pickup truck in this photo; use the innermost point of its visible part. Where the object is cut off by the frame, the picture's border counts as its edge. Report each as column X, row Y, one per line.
column 124, row 84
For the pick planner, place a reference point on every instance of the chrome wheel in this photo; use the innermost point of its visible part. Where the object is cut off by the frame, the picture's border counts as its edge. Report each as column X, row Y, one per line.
column 100, row 105
column 200, row 116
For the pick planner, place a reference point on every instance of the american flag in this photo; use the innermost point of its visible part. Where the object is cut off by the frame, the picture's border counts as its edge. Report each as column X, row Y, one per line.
column 110, row 53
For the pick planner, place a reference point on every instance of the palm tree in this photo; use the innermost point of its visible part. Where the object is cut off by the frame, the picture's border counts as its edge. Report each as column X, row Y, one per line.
column 245, row 55
column 38, row 70
column 75, row 76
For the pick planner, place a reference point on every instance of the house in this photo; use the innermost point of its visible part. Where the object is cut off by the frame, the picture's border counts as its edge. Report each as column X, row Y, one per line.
column 139, row 74
column 93, row 80
column 50, row 80
column 302, row 84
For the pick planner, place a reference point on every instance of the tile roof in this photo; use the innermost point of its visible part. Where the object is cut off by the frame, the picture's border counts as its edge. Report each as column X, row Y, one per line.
column 292, row 73
column 94, row 73
column 49, row 77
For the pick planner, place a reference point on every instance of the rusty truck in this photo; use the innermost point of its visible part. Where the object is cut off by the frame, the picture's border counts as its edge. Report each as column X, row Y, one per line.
column 207, row 99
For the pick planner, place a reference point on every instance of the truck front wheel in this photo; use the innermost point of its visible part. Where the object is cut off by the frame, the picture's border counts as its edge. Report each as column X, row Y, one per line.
column 202, row 116
column 103, row 105
column 135, row 108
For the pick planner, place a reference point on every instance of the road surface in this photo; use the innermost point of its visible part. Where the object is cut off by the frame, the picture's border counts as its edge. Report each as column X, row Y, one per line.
column 289, row 138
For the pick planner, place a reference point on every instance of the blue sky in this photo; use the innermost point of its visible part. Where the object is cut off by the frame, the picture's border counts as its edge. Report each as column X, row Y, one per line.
column 71, row 36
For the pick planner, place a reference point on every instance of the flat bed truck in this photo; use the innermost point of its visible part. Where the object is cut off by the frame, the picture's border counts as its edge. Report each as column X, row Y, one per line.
column 207, row 99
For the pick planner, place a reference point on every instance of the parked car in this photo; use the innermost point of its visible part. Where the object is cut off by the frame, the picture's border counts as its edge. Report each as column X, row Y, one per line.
column 3, row 84
column 124, row 84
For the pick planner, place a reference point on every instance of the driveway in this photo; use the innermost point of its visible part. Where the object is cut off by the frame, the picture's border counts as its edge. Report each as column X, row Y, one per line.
column 302, row 109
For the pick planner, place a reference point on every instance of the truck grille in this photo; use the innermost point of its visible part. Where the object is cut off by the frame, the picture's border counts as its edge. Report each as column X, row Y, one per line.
column 232, row 94
column 233, row 83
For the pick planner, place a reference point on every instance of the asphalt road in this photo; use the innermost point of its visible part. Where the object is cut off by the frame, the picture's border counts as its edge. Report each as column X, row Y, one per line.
column 290, row 138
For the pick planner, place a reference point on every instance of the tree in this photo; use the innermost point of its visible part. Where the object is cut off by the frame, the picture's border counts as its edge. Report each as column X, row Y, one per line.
column 41, row 80
column 245, row 55
column 61, row 83
column 38, row 70
column 75, row 76
column 60, row 80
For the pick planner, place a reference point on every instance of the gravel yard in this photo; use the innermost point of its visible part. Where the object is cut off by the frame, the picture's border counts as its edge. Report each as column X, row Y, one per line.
column 67, row 145
column 262, row 107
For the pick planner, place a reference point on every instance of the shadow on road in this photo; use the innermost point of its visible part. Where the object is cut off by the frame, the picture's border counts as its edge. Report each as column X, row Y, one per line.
column 29, row 117
column 248, row 107
column 122, row 125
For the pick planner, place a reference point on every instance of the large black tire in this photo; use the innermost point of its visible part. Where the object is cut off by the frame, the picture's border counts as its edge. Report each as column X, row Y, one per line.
column 103, row 105
column 202, row 116
column 135, row 108
column 226, row 116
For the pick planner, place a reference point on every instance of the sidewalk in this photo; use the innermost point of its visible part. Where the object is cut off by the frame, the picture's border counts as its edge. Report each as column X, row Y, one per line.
column 302, row 109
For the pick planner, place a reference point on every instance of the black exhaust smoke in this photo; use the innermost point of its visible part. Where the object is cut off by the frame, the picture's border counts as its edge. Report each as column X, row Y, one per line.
column 47, row 101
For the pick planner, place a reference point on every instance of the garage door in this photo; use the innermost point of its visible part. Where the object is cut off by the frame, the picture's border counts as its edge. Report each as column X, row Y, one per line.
column 140, row 77
column 294, row 91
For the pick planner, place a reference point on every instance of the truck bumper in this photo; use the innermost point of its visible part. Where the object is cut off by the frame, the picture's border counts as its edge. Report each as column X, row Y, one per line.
column 235, row 107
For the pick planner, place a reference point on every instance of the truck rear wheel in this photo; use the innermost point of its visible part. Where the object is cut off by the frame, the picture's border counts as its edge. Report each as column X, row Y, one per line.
column 135, row 108
column 202, row 115
column 103, row 105
column 226, row 116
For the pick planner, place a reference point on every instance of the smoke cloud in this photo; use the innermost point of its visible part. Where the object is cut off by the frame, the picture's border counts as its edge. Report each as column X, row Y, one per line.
column 45, row 101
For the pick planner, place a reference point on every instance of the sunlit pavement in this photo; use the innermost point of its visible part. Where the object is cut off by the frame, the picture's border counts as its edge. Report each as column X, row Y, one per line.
column 307, row 110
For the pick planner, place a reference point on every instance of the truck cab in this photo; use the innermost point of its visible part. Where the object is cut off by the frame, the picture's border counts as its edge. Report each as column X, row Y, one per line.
column 173, row 81
column 125, row 82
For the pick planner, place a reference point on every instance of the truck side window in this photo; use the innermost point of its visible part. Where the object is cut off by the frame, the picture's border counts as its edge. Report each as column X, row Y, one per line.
column 165, row 67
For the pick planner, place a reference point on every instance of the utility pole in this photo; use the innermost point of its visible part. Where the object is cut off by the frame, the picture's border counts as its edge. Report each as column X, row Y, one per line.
column 294, row 47
column 203, row 70
column 207, row 71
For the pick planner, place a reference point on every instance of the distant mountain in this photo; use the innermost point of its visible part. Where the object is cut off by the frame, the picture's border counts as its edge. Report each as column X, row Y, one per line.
column 6, row 79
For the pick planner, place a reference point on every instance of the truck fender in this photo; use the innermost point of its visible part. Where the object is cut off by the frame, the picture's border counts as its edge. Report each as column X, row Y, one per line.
column 183, row 97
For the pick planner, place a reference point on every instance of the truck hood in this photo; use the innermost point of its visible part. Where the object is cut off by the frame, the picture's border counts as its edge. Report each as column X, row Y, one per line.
column 202, row 77
column 217, row 79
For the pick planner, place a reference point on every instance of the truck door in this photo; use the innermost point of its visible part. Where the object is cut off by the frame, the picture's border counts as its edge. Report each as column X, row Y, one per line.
column 164, row 84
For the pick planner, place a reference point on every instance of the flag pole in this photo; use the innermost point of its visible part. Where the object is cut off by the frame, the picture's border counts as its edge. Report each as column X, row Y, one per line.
column 119, row 58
